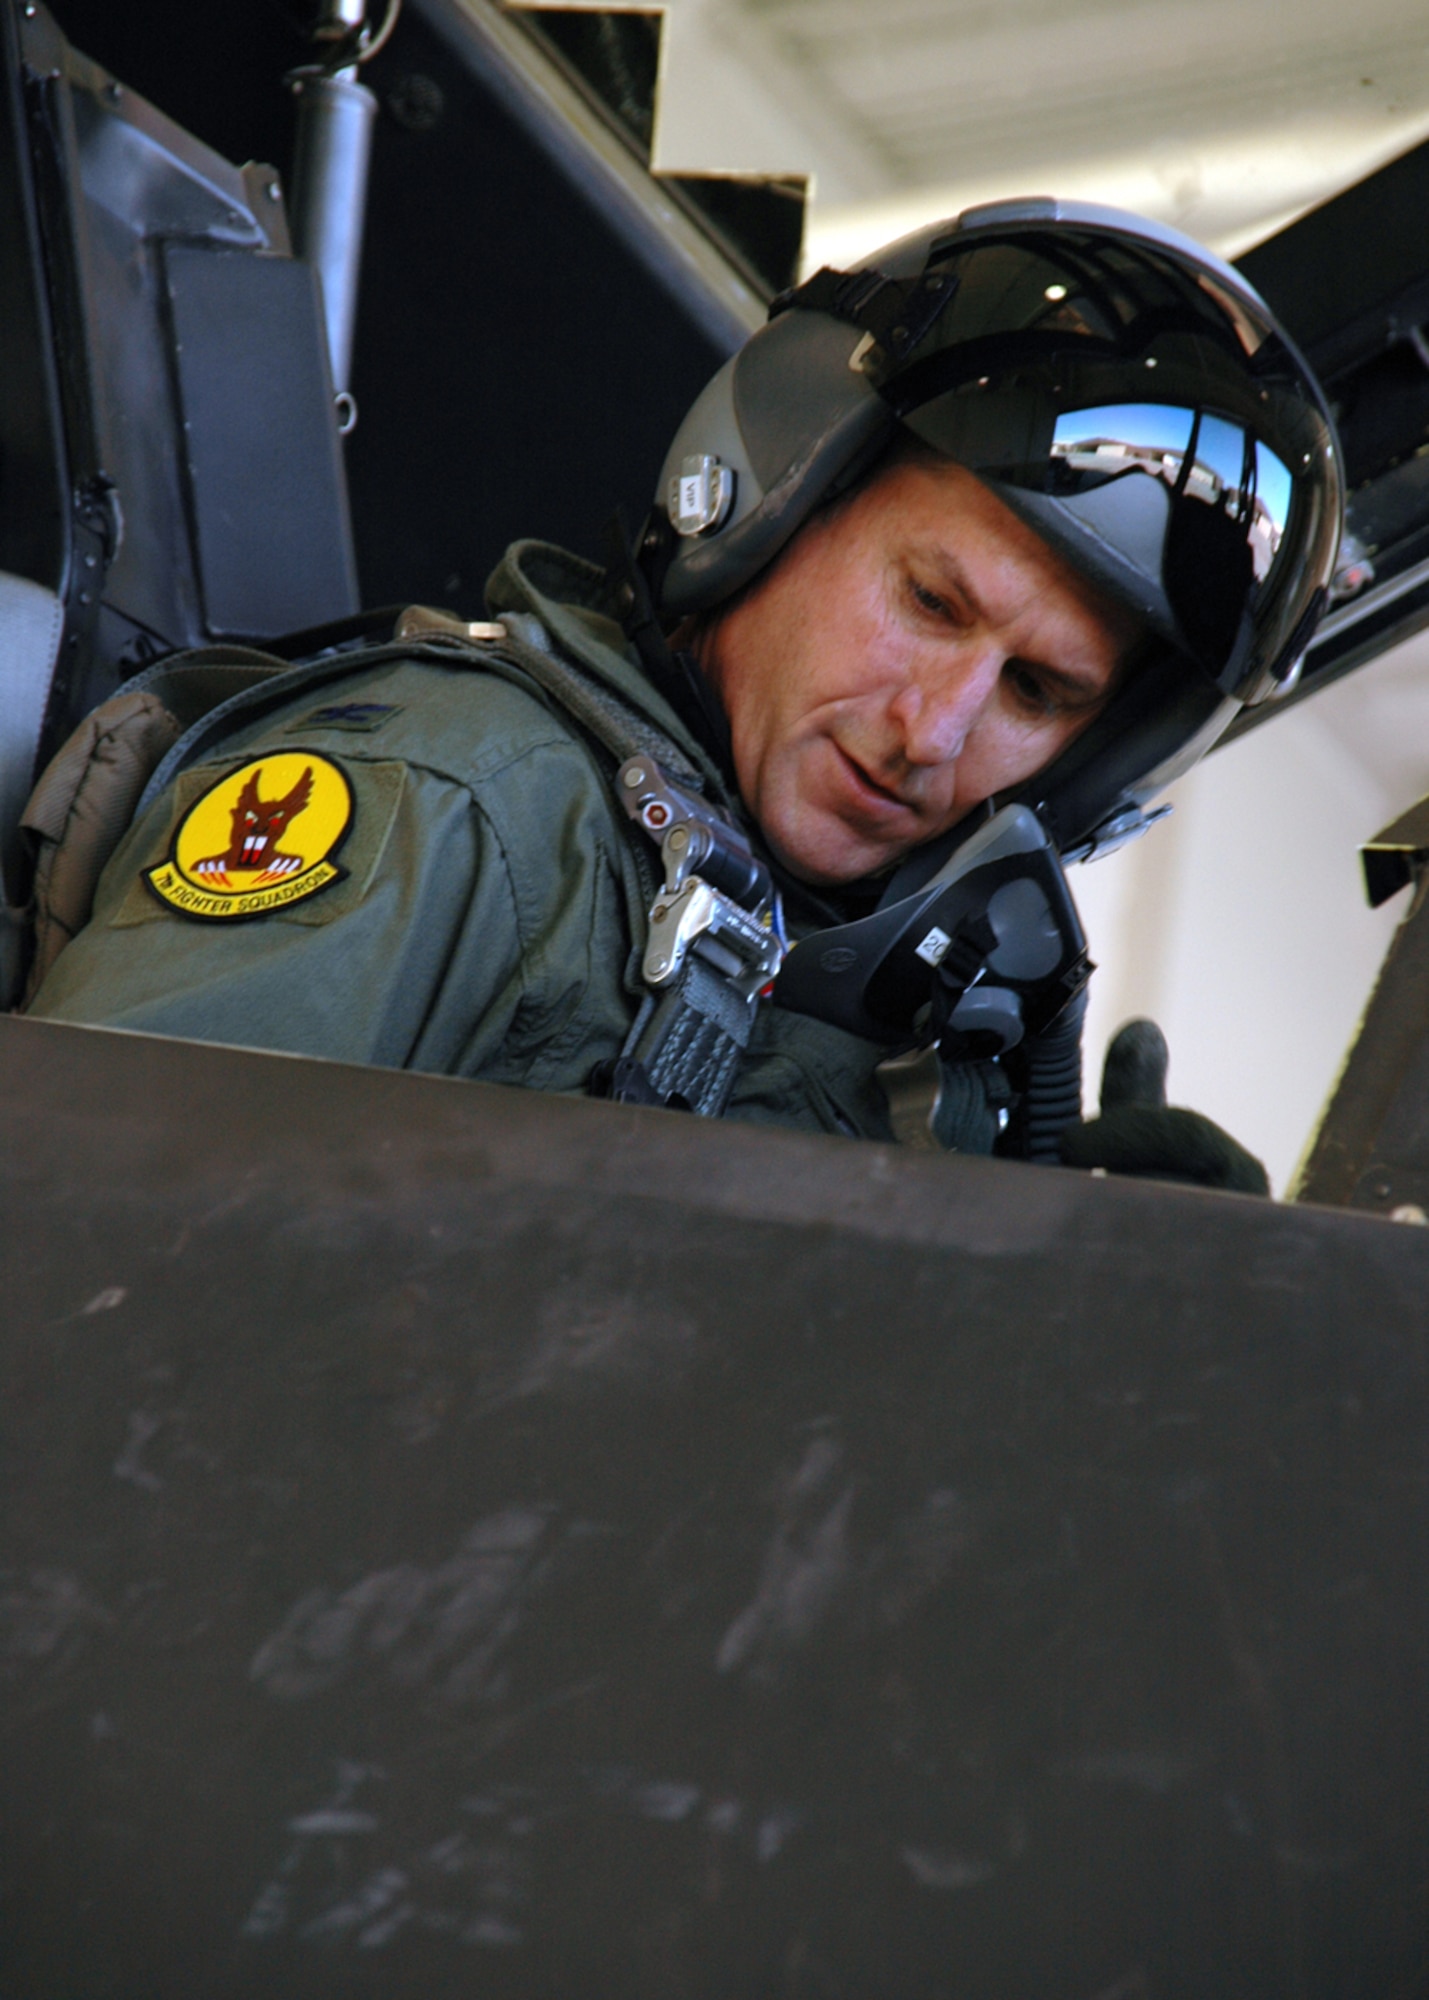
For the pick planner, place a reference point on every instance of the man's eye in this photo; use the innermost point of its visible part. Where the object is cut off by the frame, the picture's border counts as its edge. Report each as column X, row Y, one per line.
column 1033, row 694
column 930, row 601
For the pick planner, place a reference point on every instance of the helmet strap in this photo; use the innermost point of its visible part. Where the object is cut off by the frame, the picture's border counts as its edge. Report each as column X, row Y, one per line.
column 673, row 675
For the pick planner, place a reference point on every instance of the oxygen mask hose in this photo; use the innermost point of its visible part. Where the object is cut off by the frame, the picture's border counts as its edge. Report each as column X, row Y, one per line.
column 1050, row 1087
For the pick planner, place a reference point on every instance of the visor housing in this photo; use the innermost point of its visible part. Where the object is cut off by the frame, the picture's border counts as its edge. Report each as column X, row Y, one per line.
column 1157, row 430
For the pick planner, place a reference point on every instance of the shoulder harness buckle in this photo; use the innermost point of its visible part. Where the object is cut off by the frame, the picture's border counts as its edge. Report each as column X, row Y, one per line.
column 716, row 898
column 714, row 944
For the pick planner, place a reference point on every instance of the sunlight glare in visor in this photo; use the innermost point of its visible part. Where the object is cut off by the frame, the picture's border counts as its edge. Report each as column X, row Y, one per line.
column 1117, row 439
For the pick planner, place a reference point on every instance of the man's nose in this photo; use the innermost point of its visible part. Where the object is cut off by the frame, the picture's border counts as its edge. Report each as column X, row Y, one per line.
column 937, row 708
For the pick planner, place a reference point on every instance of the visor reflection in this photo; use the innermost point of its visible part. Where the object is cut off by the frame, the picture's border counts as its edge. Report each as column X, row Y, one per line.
column 1203, row 457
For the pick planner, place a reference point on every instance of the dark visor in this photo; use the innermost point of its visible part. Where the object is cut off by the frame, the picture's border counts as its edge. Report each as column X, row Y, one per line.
column 1166, row 446
column 1192, row 452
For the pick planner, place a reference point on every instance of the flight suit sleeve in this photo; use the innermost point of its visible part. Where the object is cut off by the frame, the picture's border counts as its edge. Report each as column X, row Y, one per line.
column 455, row 934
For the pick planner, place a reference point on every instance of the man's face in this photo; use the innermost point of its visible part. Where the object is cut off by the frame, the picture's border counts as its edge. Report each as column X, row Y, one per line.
column 911, row 652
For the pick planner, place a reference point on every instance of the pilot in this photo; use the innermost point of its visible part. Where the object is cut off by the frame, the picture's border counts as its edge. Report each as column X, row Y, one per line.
column 1021, row 512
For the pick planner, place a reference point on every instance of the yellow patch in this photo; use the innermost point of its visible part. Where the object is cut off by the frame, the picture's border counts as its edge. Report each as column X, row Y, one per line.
column 259, row 839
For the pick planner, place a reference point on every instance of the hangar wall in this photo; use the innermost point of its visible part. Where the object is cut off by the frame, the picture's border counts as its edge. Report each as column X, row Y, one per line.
column 1240, row 923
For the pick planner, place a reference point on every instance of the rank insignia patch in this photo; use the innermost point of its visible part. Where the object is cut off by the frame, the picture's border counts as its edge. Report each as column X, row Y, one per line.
column 259, row 839
column 362, row 715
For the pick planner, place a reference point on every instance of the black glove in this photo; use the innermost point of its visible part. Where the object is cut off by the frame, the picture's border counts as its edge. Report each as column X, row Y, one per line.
column 1138, row 1133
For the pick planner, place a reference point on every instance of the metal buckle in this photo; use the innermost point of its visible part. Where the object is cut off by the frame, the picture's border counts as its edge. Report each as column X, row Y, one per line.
column 420, row 621
column 727, row 937
column 739, row 935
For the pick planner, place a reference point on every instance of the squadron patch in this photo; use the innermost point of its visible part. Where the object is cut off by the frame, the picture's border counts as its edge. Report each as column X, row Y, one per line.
column 259, row 839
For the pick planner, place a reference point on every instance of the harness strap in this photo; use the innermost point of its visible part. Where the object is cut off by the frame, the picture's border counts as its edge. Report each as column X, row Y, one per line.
column 618, row 727
column 713, row 944
column 683, row 1053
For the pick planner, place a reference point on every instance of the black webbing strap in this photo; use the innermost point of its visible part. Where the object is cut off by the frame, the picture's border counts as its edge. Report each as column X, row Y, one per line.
column 897, row 312
column 687, row 1049
column 618, row 727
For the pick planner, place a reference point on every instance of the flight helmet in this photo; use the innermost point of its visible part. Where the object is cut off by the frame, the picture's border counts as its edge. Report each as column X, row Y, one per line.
column 1123, row 391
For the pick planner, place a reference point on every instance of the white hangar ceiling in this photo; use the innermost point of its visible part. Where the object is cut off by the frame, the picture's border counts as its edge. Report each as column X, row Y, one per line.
column 1226, row 117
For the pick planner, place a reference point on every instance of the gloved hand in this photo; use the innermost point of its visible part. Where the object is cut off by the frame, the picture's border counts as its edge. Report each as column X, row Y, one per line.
column 1138, row 1133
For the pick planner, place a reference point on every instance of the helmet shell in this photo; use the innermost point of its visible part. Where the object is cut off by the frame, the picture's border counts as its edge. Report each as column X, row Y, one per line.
column 1124, row 391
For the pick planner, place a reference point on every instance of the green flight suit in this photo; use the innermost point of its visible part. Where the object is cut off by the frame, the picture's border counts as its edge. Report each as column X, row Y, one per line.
column 488, row 919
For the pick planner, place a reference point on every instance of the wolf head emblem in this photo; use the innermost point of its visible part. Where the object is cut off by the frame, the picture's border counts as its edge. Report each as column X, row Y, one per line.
column 258, row 826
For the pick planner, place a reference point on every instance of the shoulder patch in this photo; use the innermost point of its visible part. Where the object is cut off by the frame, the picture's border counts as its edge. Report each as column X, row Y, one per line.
column 260, row 838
